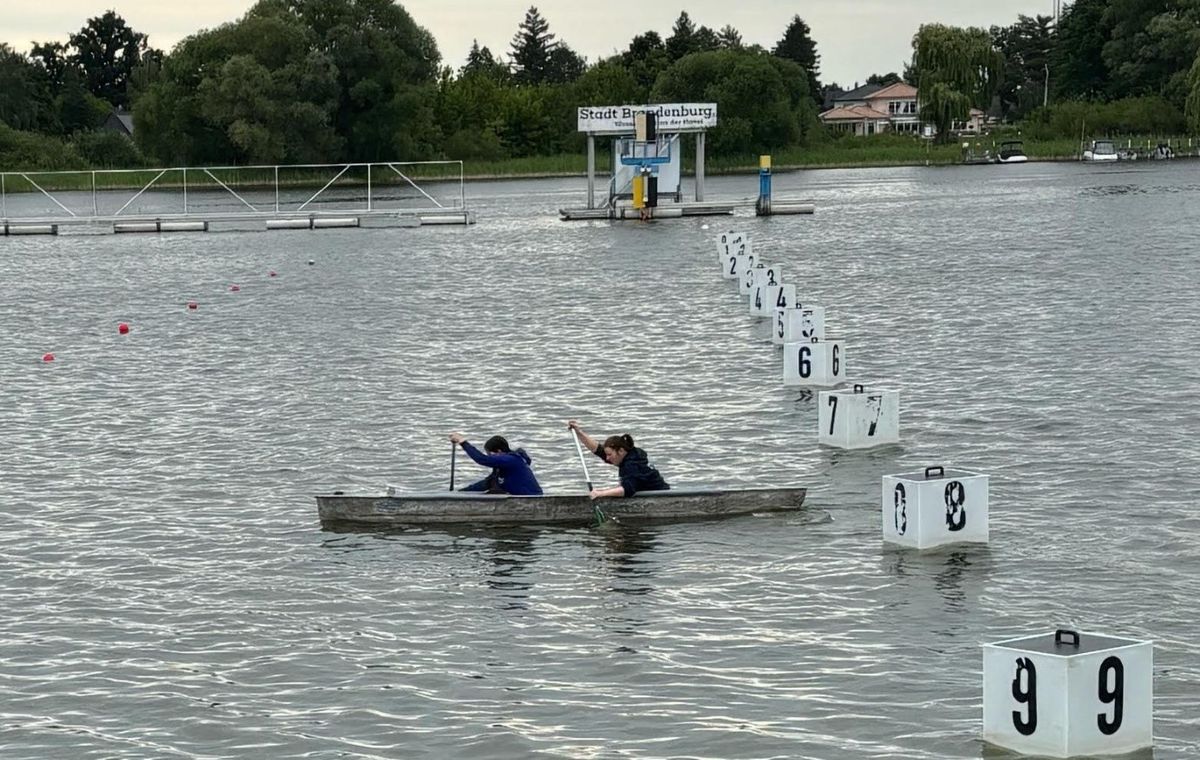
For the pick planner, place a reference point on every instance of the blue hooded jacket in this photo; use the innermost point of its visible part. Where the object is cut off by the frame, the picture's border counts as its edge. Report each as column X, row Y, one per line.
column 510, row 471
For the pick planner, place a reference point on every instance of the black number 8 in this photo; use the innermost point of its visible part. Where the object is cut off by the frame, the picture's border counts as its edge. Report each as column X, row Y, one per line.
column 1114, row 696
column 956, row 513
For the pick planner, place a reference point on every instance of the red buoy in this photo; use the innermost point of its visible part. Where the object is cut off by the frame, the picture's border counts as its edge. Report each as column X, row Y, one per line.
column 271, row 273
column 47, row 357
column 123, row 328
column 193, row 305
column 234, row 288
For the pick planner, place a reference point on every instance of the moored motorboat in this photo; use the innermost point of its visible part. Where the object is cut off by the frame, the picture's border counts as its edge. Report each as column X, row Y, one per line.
column 1012, row 152
column 1100, row 150
column 450, row 507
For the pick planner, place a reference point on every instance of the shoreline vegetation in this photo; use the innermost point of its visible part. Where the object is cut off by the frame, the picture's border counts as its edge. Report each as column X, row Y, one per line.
column 845, row 153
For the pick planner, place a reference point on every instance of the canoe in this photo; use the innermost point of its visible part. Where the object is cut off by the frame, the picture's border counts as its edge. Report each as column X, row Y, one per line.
column 552, row 509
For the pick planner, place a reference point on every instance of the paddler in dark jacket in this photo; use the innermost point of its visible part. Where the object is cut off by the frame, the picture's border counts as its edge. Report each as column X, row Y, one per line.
column 633, row 466
column 511, row 471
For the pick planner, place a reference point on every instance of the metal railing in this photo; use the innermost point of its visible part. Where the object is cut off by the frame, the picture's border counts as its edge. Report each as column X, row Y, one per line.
column 254, row 191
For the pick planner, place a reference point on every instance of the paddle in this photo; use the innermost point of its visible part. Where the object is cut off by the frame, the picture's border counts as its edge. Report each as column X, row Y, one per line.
column 579, row 450
column 453, row 452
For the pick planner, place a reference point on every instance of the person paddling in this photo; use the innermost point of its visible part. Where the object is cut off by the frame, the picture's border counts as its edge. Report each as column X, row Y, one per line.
column 633, row 467
column 511, row 470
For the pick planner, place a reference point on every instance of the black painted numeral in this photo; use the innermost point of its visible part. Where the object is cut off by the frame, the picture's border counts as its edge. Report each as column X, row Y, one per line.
column 956, row 511
column 733, row 265
column 900, row 509
column 781, row 300
column 837, row 359
column 874, row 403
column 758, row 298
column 771, row 277
column 805, row 361
column 1114, row 696
column 833, row 416
column 1025, row 724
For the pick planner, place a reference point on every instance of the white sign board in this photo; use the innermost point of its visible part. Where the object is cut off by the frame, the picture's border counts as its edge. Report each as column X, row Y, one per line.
column 672, row 118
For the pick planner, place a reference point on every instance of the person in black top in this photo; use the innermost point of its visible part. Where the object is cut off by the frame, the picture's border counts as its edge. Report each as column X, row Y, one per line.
column 632, row 465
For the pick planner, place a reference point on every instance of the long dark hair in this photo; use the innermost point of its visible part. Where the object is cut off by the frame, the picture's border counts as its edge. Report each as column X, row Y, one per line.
column 497, row 443
column 619, row 442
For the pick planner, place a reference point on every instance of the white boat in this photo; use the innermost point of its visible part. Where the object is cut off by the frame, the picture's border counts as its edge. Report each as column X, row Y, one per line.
column 1012, row 152
column 1100, row 150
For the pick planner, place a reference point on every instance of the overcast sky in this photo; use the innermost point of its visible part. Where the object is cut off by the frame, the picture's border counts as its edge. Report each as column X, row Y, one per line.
column 855, row 38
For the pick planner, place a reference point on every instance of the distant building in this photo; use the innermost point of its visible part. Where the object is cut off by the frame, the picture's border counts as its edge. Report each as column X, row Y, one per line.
column 119, row 121
column 872, row 109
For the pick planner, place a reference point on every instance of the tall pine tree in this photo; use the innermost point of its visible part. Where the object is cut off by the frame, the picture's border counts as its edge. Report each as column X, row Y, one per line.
column 532, row 47
column 798, row 45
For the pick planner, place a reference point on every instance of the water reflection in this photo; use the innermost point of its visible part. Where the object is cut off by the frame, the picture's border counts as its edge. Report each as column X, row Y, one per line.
column 956, row 573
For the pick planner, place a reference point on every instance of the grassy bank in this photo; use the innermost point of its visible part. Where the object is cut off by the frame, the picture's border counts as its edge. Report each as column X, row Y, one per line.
column 849, row 152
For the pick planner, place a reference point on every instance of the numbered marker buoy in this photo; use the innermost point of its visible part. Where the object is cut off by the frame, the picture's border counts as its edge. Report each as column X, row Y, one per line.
column 935, row 507
column 858, row 418
column 1066, row 694
column 759, row 274
column 799, row 324
column 766, row 298
column 814, row 362
column 735, row 243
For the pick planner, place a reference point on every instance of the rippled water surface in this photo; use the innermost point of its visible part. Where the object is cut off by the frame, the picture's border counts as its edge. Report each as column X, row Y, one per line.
column 168, row 592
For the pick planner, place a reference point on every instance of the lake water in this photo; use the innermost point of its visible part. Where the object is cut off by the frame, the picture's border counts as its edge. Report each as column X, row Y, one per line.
column 168, row 592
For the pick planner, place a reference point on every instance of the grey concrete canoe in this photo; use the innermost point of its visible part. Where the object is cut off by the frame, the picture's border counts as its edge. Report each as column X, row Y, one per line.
column 552, row 509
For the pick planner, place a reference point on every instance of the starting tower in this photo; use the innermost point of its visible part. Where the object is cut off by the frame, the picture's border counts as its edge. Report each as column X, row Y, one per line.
column 647, row 161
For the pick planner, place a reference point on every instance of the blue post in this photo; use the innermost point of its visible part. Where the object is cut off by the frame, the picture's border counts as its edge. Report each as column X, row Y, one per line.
column 763, row 207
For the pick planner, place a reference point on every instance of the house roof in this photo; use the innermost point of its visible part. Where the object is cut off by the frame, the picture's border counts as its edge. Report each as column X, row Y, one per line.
column 898, row 91
column 853, row 113
column 858, row 93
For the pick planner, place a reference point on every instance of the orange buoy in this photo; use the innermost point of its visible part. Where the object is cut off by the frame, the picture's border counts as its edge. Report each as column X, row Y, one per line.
column 234, row 288
column 193, row 305
column 123, row 328
column 47, row 357
column 271, row 273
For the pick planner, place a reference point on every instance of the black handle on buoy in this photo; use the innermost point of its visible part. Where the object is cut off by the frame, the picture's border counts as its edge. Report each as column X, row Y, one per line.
column 858, row 389
column 936, row 468
column 1062, row 633
column 815, row 339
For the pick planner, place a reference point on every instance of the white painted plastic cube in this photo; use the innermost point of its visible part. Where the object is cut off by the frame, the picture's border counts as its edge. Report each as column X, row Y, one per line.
column 814, row 362
column 858, row 418
column 799, row 324
column 758, row 273
column 1066, row 694
column 736, row 243
column 935, row 507
column 765, row 298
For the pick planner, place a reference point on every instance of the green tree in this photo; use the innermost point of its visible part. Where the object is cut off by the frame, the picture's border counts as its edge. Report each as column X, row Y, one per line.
column 107, row 50
column 25, row 99
column 1193, row 99
column 1026, row 46
column 763, row 100
column 686, row 38
column 1077, row 68
column 957, row 69
column 798, row 45
column 53, row 58
column 481, row 62
column 645, row 59
column 884, row 80
column 729, row 38
column 564, row 66
column 1152, row 46
column 532, row 47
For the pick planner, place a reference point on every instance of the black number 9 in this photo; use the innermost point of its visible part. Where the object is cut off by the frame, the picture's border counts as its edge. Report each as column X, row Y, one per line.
column 1025, row 724
column 1114, row 696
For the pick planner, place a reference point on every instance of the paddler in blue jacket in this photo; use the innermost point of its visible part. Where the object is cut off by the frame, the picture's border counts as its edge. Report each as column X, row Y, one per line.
column 633, row 466
column 511, row 471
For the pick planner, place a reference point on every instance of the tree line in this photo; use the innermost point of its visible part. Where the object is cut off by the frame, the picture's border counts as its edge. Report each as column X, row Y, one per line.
column 316, row 81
